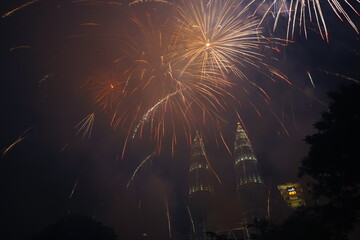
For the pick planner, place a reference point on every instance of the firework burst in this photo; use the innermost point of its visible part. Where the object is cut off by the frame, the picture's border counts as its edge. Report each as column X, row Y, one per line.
column 177, row 70
column 217, row 36
column 152, row 91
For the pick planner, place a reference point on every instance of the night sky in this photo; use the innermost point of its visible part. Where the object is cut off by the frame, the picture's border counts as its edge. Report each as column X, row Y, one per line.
column 47, row 54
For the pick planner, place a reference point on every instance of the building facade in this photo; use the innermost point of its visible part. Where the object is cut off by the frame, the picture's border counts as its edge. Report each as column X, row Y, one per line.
column 292, row 194
column 250, row 186
column 201, row 189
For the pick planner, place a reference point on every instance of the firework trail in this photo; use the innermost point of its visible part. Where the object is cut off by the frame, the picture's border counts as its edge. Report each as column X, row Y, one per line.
column 96, row 2
column 225, row 144
column 232, row 232
column 46, row 77
column 139, row 167
column 311, row 79
column 208, row 162
column 280, row 122
column 74, row 188
column 18, row 140
column 134, row 2
column 64, row 147
column 90, row 24
column 86, row 125
column 168, row 215
column 146, row 116
column 341, row 76
column 21, row 138
column 191, row 218
column 8, row 14
column 268, row 205
column 19, row 47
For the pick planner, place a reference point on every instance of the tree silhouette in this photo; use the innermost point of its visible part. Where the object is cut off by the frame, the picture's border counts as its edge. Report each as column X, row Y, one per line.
column 76, row 227
column 332, row 163
column 334, row 149
column 325, row 222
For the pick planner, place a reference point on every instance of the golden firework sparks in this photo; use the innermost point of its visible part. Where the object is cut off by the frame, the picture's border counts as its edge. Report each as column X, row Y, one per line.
column 19, row 47
column 217, row 36
column 135, row 2
column 21, row 138
column 86, row 125
column 8, row 14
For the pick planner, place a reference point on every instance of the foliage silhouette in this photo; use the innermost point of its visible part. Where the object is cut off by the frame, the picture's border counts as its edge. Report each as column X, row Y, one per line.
column 332, row 163
column 76, row 227
column 334, row 149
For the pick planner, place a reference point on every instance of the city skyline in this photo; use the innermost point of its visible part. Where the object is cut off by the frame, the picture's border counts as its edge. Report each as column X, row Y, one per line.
column 66, row 148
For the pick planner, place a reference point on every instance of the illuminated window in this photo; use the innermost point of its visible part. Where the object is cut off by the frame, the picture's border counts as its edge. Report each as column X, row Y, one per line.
column 292, row 193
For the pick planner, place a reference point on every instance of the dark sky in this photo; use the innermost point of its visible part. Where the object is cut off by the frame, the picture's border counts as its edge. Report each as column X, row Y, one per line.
column 47, row 55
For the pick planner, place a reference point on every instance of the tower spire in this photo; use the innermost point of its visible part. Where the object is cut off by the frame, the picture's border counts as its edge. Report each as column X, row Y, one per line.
column 249, row 182
column 199, row 172
column 201, row 187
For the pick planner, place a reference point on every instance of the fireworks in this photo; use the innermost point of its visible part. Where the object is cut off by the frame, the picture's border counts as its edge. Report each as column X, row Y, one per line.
column 191, row 218
column 19, row 47
column 96, row 2
column 298, row 12
column 74, row 188
column 152, row 90
column 21, row 138
column 45, row 78
column 145, row 1
column 177, row 70
column 311, row 79
column 105, row 90
column 217, row 36
column 86, row 125
column 183, row 66
column 8, row 14
column 171, row 68
column 139, row 167
column 18, row 140
column 179, row 66
column 349, row 78
column 168, row 215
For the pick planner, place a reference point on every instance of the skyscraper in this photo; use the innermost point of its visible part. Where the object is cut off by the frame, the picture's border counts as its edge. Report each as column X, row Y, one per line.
column 292, row 194
column 250, row 186
column 201, row 188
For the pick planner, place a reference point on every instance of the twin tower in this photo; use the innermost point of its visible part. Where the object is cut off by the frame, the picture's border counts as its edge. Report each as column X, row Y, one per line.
column 250, row 188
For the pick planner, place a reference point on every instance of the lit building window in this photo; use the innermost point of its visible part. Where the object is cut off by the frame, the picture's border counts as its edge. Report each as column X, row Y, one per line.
column 196, row 165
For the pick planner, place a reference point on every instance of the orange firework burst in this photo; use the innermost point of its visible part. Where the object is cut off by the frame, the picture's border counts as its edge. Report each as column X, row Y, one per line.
column 151, row 91
column 172, row 73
